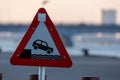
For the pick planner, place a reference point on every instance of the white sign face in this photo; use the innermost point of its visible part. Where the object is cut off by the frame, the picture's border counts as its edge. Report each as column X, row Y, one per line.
column 41, row 45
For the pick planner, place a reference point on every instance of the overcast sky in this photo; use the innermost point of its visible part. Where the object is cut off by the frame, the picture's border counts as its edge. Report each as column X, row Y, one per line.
column 60, row 11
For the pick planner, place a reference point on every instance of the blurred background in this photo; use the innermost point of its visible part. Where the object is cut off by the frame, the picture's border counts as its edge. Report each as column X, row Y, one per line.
column 92, row 25
column 87, row 28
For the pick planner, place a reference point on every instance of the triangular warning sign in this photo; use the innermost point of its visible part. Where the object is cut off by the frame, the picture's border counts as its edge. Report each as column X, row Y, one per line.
column 41, row 45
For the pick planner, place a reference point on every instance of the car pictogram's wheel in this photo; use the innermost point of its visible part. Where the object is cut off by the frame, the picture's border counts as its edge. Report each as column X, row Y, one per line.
column 48, row 51
column 35, row 47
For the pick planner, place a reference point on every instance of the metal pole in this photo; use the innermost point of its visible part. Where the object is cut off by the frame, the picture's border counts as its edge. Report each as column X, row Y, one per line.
column 41, row 73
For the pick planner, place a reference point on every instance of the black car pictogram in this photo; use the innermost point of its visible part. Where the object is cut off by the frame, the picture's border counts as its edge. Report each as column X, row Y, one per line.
column 40, row 44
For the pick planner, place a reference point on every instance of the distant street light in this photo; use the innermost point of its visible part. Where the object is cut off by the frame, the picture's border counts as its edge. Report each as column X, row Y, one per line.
column 45, row 2
column 117, row 35
column 99, row 35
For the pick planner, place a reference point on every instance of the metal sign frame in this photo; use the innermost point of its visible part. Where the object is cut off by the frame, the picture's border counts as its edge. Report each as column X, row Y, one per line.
column 65, row 60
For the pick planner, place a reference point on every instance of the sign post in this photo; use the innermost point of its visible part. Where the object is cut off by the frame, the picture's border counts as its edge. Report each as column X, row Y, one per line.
column 41, row 73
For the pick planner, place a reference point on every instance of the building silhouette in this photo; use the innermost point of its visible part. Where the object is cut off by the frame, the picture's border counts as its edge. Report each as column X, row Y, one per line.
column 109, row 17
